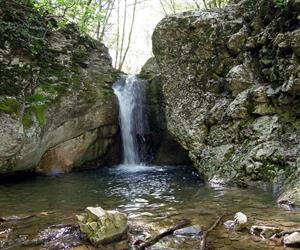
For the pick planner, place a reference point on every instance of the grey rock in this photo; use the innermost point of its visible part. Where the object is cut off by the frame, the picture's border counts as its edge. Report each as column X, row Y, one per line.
column 230, row 93
column 68, row 115
column 189, row 231
column 103, row 227
column 292, row 239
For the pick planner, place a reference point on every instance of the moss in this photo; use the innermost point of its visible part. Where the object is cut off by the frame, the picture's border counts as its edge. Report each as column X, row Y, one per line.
column 39, row 111
column 27, row 120
column 17, row 20
column 10, row 106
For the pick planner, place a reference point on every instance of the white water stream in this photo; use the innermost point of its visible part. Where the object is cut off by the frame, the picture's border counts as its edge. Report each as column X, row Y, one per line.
column 133, row 122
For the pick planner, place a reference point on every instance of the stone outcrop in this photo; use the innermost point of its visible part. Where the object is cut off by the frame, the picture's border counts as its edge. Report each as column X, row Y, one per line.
column 57, row 108
column 166, row 150
column 230, row 85
column 103, row 227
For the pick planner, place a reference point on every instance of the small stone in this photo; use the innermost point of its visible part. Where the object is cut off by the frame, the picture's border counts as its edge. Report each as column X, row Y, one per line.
column 189, row 231
column 217, row 182
column 240, row 221
column 292, row 239
column 229, row 224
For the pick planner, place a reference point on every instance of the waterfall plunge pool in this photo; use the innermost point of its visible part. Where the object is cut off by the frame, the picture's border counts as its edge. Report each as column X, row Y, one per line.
column 154, row 197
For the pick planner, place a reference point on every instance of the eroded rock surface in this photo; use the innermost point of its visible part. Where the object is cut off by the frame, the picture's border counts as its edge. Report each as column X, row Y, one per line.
column 57, row 108
column 230, row 86
column 103, row 227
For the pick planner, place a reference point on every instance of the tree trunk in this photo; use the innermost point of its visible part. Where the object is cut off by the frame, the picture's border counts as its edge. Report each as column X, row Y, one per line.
column 123, row 36
column 118, row 34
column 129, row 36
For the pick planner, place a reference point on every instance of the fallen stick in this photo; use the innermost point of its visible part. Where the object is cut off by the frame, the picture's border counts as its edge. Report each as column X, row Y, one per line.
column 165, row 233
column 15, row 218
column 212, row 227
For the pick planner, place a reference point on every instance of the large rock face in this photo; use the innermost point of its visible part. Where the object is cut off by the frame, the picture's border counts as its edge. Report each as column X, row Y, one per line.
column 165, row 149
column 57, row 108
column 231, row 82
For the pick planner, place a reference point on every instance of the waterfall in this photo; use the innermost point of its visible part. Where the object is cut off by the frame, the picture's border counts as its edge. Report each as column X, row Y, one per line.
column 133, row 121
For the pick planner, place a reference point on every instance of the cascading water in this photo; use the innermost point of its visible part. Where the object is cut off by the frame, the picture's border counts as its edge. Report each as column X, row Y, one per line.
column 133, row 121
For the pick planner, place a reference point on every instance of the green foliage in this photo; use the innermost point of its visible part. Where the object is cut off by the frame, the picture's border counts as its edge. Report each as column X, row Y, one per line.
column 39, row 111
column 37, row 104
column 280, row 3
column 22, row 25
column 10, row 106
column 85, row 13
column 175, row 6
column 216, row 3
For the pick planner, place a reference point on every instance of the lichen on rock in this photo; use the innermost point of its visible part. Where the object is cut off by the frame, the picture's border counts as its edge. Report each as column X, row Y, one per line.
column 55, row 90
column 230, row 85
column 102, row 227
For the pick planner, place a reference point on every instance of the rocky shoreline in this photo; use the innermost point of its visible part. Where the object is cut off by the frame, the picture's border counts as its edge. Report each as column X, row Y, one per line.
column 98, row 228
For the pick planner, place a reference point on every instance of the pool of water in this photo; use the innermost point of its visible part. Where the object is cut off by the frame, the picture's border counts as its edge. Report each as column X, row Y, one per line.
column 156, row 197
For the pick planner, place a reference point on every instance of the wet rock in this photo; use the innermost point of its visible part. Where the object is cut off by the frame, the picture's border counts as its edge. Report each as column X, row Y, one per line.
column 292, row 239
column 189, row 231
column 240, row 221
column 217, row 182
column 4, row 235
column 103, row 227
column 264, row 232
column 59, row 237
column 285, row 205
column 229, row 224
column 291, row 193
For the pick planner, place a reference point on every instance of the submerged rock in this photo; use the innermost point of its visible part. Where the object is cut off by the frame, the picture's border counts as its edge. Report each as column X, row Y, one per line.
column 239, row 223
column 4, row 235
column 189, row 231
column 103, row 227
column 60, row 237
column 292, row 239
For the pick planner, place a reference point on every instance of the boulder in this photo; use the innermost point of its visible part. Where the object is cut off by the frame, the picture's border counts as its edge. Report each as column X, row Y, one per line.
column 57, row 107
column 103, row 227
column 230, row 87
column 292, row 239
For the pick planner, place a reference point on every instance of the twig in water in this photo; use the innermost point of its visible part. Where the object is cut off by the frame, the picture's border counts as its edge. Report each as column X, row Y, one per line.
column 165, row 233
column 213, row 226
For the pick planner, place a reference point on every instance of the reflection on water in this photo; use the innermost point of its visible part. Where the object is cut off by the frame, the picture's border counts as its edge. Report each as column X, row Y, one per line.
column 156, row 196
